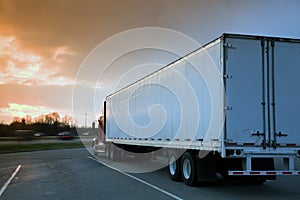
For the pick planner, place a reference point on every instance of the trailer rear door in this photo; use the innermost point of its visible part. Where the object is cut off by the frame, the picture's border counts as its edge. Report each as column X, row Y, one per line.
column 262, row 91
column 287, row 92
column 243, row 85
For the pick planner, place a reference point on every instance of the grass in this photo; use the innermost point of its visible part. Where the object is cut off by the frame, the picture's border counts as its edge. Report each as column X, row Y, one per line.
column 11, row 148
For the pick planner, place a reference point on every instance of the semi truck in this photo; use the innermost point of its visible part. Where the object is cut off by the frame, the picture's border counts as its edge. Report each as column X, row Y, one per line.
column 229, row 108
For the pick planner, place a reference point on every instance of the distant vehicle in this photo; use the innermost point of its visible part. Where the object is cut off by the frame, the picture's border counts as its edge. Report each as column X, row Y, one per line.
column 86, row 133
column 39, row 134
column 261, row 78
column 24, row 134
column 66, row 135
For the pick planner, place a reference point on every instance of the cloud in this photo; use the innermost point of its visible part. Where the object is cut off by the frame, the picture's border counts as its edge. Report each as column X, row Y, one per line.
column 43, row 43
column 21, row 66
column 21, row 110
column 60, row 51
column 57, row 97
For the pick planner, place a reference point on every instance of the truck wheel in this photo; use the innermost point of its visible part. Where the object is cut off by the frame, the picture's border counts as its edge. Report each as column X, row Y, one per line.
column 188, row 170
column 174, row 167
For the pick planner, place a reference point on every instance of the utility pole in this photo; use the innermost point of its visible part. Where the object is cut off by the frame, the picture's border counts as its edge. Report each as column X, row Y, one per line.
column 85, row 116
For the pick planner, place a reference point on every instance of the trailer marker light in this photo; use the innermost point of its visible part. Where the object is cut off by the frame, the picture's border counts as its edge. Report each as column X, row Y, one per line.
column 290, row 145
column 248, row 144
column 253, row 173
column 232, row 144
column 238, row 173
column 287, row 172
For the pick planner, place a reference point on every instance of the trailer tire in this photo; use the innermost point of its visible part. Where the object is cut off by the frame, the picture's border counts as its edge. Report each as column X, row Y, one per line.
column 188, row 169
column 174, row 167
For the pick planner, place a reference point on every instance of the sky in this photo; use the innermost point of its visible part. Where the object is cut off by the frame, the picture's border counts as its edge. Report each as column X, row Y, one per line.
column 44, row 43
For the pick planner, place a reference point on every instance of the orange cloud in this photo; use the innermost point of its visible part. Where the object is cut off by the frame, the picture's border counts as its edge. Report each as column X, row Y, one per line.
column 60, row 51
column 21, row 110
column 21, row 66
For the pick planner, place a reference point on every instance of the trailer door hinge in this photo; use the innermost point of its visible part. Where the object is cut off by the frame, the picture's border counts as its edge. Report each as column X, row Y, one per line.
column 229, row 46
column 280, row 134
column 228, row 108
column 226, row 76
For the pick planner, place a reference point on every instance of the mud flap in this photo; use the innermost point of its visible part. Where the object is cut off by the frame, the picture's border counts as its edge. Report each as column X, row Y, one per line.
column 206, row 167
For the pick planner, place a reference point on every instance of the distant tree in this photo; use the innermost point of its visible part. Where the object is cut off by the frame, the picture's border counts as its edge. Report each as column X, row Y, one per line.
column 50, row 123
column 52, row 118
column 55, row 116
column 17, row 119
column 17, row 124
column 4, row 130
column 28, row 119
column 40, row 119
column 68, row 120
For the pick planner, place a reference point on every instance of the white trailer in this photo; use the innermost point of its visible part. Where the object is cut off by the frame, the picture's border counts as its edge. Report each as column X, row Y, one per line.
column 230, row 107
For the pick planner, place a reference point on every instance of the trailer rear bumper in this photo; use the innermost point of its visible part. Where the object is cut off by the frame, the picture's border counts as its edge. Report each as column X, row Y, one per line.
column 262, row 173
column 285, row 162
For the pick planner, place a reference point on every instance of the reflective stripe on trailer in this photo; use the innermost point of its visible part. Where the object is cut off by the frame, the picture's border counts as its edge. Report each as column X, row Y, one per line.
column 240, row 173
column 247, row 144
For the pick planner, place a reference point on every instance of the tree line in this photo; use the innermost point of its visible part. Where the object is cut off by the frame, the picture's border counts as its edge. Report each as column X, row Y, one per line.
column 49, row 124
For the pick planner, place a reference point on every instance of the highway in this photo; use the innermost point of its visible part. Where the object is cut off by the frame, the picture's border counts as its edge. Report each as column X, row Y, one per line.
column 76, row 174
column 44, row 140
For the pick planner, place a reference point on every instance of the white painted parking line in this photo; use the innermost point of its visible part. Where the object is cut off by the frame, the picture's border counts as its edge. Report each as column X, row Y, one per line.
column 137, row 179
column 9, row 180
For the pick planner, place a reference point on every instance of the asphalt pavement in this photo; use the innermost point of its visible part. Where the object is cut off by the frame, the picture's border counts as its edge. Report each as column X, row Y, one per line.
column 76, row 174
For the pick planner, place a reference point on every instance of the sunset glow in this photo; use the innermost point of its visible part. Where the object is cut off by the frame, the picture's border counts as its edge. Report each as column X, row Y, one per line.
column 22, row 66
column 19, row 110
column 44, row 43
column 60, row 51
